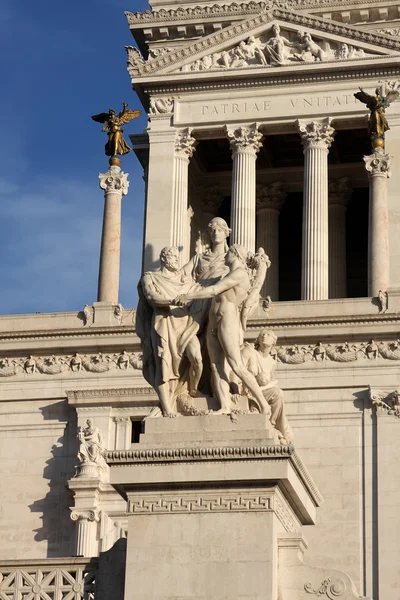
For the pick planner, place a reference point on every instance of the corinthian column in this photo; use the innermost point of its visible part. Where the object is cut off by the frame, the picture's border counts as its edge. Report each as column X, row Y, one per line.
column 270, row 199
column 339, row 195
column 184, row 149
column 86, row 531
column 317, row 137
column 115, row 185
column 378, row 167
column 245, row 143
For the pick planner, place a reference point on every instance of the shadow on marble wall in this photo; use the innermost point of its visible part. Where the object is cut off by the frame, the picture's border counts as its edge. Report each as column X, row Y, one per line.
column 110, row 581
column 57, row 528
column 369, row 485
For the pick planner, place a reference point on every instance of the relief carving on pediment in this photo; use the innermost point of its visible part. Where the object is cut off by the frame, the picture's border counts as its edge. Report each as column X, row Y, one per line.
column 277, row 48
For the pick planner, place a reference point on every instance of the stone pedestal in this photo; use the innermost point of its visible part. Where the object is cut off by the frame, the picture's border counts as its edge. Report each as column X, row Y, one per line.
column 208, row 501
column 270, row 199
column 317, row 137
column 115, row 185
column 339, row 195
column 378, row 167
column 245, row 143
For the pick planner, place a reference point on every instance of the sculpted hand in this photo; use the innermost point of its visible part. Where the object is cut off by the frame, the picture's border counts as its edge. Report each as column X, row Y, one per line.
column 181, row 300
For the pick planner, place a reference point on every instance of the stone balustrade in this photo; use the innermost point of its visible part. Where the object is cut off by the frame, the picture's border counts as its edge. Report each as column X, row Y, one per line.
column 48, row 578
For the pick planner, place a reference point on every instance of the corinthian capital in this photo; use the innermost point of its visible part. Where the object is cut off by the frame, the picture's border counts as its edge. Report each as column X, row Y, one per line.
column 378, row 164
column 85, row 515
column 270, row 196
column 185, row 144
column 339, row 192
column 244, row 139
column 316, row 134
column 114, row 181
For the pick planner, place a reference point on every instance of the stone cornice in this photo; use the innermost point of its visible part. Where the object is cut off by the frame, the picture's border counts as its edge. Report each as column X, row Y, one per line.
column 224, row 453
column 234, row 9
column 341, row 72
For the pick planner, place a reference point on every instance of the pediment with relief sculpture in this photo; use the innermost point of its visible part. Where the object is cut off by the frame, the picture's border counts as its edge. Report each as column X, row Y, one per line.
column 271, row 39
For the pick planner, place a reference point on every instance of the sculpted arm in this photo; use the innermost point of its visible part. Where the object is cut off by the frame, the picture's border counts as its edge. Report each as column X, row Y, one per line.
column 226, row 283
column 152, row 295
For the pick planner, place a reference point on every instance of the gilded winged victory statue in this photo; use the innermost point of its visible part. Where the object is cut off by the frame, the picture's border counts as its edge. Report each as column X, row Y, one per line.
column 112, row 126
column 377, row 123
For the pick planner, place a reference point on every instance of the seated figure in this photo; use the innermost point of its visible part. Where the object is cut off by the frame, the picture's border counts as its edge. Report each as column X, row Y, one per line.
column 258, row 360
column 91, row 448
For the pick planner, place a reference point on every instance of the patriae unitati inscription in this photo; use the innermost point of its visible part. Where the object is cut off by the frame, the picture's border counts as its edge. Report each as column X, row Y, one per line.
column 273, row 106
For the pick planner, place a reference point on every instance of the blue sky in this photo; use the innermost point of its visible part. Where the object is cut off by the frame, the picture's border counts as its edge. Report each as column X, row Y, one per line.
column 61, row 62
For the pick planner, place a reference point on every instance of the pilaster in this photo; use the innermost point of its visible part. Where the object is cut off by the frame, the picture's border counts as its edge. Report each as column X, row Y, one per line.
column 245, row 144
column 316, row 137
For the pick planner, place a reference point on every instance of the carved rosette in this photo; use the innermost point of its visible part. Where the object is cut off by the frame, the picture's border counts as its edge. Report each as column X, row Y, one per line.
column 185, row 144
column 378, row 164
column 244, row 140
column 316, row 134
column 114, row 181
column 270, row 197
column 339, row 192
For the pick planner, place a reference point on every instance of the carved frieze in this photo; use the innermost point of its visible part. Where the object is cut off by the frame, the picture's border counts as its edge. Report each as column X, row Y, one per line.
column 291, row 355
column 275, row 49
column 75, row 363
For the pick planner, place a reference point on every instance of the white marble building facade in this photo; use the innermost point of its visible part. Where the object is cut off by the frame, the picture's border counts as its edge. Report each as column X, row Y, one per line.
column 251, row 117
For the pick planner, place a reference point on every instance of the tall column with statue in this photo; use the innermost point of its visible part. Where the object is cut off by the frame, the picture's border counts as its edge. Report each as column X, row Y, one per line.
column 378, row 167
column 115, row 185
column 245, row 144
column 317, row 137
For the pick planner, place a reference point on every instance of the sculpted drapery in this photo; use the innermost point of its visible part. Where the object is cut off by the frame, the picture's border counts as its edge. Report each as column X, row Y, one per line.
column 193, row 318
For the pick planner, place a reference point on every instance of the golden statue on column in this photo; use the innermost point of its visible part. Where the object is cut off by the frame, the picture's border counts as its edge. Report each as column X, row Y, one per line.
column 112, row 126
column 377, row 123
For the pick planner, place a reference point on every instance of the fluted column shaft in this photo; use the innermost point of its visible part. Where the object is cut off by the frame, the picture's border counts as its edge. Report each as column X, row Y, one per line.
column 245, row 143
column 378, row 167
column 86, row 531
column 270, row 199
column 316, row 138
column 184, row 149
column 339, row 195
column 115, row 185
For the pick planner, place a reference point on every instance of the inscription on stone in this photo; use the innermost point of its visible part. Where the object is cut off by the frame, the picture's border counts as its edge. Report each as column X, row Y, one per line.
column 274, row 106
